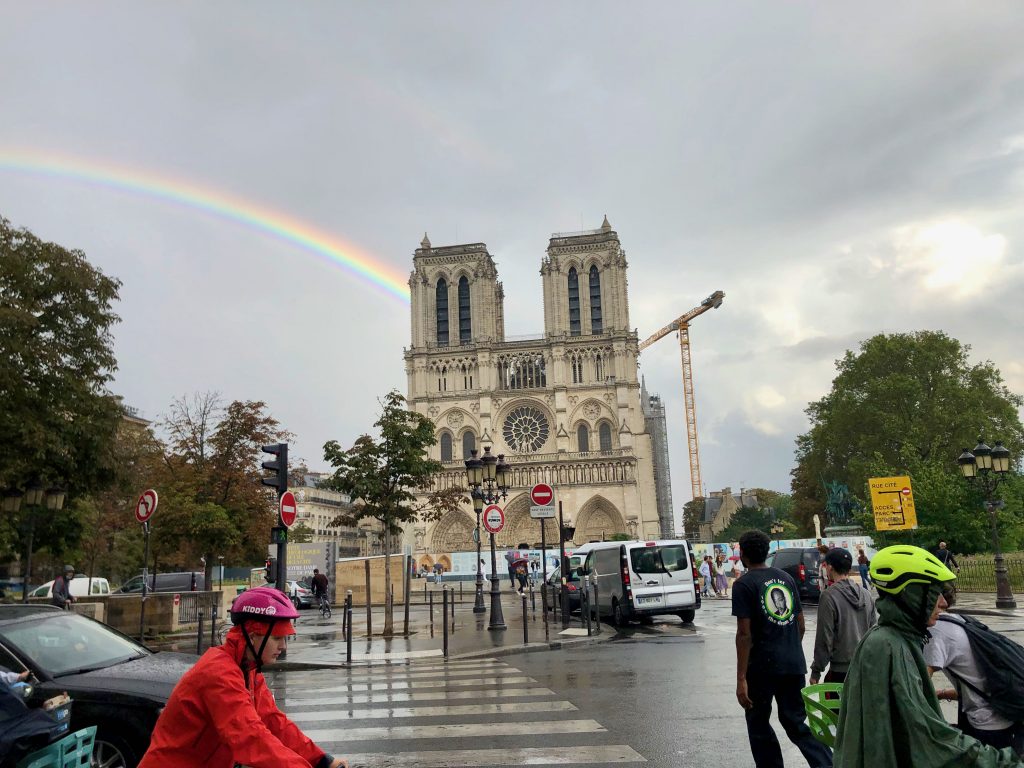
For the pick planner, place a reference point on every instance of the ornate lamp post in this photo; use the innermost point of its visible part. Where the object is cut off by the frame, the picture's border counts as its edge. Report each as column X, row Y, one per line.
column 34, row 496
column 488, row 484
column 474, row 478
column 985, row 468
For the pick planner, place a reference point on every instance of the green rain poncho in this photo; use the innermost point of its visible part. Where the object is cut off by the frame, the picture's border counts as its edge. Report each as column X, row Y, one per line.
column 890, row 717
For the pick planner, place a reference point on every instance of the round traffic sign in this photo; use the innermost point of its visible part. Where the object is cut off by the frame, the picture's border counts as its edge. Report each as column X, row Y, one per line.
column 494, row 519
column 146, row 505
column 542, row 495
column 905, row 491
column 288, row 509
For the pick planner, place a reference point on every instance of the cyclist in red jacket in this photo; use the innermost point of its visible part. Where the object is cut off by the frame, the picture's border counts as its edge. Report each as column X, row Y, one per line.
column 221, row 713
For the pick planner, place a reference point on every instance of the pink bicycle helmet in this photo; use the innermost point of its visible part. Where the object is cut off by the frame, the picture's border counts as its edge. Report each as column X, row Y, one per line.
column 267, row 606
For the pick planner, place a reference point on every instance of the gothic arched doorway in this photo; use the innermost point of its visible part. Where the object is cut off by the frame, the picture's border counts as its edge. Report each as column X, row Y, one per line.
column 453, row 533
column 598, row 520
column 520, row 528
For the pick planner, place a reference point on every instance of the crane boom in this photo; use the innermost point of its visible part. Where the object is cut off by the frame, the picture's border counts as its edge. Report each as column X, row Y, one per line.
column 714, row 301
column 682, row 325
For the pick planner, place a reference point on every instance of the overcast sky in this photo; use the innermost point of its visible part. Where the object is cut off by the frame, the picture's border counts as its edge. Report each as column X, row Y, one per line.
column 838, row 170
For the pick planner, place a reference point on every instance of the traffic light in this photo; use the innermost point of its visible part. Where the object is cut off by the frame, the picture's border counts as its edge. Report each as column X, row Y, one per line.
column 271, row 576
column 278, row 465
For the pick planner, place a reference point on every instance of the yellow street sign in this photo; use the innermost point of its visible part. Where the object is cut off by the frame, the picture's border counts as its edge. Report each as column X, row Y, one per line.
column 893, row 503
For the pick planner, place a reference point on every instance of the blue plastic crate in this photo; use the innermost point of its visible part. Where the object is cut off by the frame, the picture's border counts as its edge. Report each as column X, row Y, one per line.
column 72, row 751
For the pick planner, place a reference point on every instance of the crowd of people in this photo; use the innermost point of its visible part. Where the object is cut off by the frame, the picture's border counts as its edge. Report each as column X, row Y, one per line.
column 882, row 647
column 718, row 573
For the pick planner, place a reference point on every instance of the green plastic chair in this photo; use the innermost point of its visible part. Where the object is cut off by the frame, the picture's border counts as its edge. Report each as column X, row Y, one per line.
column 821, row 703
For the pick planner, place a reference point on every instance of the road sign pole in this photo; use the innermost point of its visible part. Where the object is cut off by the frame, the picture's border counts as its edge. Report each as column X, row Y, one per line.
column 497, row 620
column 564, row 567
column 145, row 582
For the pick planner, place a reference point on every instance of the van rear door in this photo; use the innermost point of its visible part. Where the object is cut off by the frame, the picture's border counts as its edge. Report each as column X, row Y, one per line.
column 664, row 577
column 646, row 576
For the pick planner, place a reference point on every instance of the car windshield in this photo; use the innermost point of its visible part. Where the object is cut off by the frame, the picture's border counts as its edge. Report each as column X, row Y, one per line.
column 670, row 558
column 66, row 643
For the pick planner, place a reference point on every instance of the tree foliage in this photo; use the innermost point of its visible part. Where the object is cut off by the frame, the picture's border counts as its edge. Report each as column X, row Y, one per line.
column 58, row 421
column 391, row 478
column 907, row 403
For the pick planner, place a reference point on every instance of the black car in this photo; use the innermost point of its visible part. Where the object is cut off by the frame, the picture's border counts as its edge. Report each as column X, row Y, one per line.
column 572, row 584
column 802, row 564
column 114, row 683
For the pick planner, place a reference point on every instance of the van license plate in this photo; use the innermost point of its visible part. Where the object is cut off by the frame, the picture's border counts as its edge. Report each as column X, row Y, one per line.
column 655, row 600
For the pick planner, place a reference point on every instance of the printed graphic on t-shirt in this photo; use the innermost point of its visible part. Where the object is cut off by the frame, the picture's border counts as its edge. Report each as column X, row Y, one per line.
column 777, row 600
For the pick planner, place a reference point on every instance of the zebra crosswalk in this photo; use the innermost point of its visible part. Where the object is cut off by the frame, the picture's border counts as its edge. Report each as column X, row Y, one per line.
column 478, row 713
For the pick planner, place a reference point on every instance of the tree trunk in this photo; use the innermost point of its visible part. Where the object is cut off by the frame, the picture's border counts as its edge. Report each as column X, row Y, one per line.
column 389, row 618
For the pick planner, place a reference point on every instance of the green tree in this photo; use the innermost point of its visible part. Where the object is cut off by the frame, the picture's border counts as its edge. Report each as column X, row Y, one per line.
column 58, row 421
column 391, row 479
column 693, row 515
column 210, row 475
column 906, row 403
column 300, row 534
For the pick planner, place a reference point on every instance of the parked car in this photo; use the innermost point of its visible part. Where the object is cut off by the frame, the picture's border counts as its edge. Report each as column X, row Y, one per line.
column 802, row 564
column 114, row 683
column 641, row 579
column 301, row 593
column 81, row 586
column 182, row 581
column 554, row 583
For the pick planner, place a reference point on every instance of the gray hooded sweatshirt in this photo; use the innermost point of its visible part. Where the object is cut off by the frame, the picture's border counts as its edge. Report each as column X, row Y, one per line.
column 845, row 614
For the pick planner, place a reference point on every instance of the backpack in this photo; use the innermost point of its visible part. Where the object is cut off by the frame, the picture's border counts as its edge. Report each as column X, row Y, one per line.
column 1001, row 662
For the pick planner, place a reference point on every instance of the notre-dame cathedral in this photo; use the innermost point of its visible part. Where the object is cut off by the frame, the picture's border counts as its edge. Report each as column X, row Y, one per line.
column 563, row 406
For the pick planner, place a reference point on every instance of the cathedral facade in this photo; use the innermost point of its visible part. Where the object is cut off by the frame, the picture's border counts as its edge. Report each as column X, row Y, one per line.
column 564, row 406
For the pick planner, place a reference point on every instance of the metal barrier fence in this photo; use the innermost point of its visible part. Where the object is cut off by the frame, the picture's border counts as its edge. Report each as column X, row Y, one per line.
column 195, row 604
column 978, row 575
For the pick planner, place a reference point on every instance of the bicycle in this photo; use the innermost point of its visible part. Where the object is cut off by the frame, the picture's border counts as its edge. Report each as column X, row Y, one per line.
column 325, row 607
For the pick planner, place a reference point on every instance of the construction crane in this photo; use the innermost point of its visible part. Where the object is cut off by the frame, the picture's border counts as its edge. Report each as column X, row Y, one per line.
column 682, row 325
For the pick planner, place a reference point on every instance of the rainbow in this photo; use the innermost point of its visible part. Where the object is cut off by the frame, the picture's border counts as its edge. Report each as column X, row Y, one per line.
column 212, row 202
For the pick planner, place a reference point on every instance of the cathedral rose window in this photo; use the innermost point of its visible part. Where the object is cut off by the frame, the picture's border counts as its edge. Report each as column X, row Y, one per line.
column 526, row 429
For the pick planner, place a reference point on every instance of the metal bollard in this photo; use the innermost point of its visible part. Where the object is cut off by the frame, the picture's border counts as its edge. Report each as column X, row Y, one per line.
column 348, row 620
column 544, row 601
column 597, row 606
column 533, row 599
column 585, row 605
column 444, row 600
column 453, row 609
column 199, row 634
column 526, row 623
column 460, row 596
column 431, row 610
column 213, row 625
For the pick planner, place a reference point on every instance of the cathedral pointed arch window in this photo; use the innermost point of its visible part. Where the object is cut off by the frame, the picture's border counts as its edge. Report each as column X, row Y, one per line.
column 465, row 316
column 605, row 435
column 468, row 444
column 574, row 302
column 576, row 363
column 441, row 302
column 446, row 446
column 599, row 367
column 596, row 323
column 583, row 438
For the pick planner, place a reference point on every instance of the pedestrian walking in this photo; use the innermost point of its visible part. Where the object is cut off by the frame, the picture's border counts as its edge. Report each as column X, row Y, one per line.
column 845, row 613
column 61, row 592
column 951, row 651
column 890, row 717
column 944, row 556
column 705, row 574
column 822, row 574
column 770, row 661
column 862, row 566
column 521, row 577
column 721, row 582
column 510, row 560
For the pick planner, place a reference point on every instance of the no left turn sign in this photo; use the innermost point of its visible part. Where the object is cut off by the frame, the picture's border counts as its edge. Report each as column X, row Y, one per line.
column 146, row 505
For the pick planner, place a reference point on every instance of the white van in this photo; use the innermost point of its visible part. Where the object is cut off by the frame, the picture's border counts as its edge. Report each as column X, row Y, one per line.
column 637, row 579
column 80, row 587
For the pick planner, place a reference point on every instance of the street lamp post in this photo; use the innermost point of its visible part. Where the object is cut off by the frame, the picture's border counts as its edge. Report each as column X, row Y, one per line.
column 34, row 496
column 488, row 482
column 986, row 468
column 776, row 530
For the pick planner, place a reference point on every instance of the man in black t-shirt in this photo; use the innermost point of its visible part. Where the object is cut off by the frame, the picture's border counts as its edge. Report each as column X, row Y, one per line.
column 770, row 661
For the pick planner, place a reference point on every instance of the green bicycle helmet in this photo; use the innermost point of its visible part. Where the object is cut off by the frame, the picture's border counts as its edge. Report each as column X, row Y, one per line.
column 901, row 564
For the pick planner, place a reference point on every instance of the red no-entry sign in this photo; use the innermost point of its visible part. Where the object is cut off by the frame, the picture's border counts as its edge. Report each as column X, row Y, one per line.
column 288, row 509
column 542, row 495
